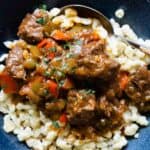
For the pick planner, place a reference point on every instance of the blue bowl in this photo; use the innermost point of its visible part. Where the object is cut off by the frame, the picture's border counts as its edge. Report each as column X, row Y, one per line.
column 137, row 14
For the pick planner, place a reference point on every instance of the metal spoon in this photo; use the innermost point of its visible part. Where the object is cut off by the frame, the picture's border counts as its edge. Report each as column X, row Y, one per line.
column 85, row 11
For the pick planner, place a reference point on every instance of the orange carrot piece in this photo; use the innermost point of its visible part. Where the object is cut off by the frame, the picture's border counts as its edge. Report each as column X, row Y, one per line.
column 63, row 118
column 42, row 43
column 8, row 83
column 45, row 43
column 49, row 45
column 123, row 80
column 51, row 55
column 59, row 35
column 53, row 87
column 95, row 36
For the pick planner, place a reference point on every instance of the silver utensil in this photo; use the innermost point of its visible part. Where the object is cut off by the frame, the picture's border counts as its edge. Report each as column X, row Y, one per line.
column 85, row 11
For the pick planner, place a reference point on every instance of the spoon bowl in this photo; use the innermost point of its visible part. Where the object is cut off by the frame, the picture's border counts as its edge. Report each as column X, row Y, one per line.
column 88, row 12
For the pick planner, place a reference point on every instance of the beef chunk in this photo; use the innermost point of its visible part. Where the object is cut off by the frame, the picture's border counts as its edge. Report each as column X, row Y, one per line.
column 92, row 62
column 88, row 42
column 138, row 89
column 80, row 107
column 54, row 108
column 112, row 89
column 87, row 61
column 110, row 113
column 14, row 63
column 94, row 47
column 84, row 110
column 29, row 29
column 96, row 66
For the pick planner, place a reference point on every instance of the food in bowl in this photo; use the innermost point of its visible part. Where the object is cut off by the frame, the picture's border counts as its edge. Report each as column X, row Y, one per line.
column 67, row 84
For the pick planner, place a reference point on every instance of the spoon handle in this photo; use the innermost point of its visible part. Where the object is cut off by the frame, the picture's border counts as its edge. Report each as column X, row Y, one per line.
column 142, row 47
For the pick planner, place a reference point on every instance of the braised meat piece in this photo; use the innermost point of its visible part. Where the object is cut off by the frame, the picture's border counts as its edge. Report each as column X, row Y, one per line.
column 87, row 61
column 94, row 47
column 84, row 109
column 112, row 89
column 81, row 107
column 95, row 66
column 14, row 63
column 110, row 113
column 138, row 89
column 92, row 62
column 87, row 42
column 54, row 108
column 31, row 29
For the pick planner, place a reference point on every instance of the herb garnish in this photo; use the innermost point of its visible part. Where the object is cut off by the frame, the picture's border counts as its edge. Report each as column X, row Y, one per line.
column 90, row 91
column 46, row 60
column 47, row 74
column 41, row 21
column 69, row 55
column 53, row 49
column 43, row 6
column 60, row 74
column 60, row 84
column 73, row 69
column 45, row 92
column 55, row 124
column 79, row 42
column 67, row 45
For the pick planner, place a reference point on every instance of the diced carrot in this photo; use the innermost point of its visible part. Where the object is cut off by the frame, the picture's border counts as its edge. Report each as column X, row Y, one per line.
column 51, row 55
column 53, row 87
column 42, row 43
column 95, row 36
column 8, row 83
column 123, row 80
column 59, row 35
column 68, row 84
column 49, row 45
column 45, row 43
column 63, row 118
